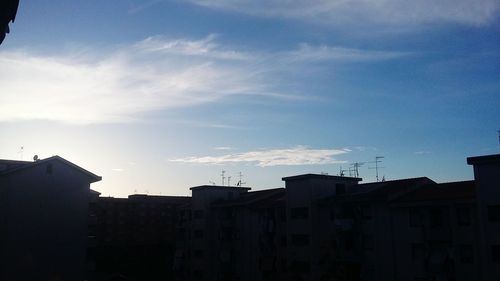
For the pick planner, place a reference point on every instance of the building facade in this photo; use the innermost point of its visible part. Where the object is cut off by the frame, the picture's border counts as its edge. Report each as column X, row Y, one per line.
column 43, row 219
column 322, row 227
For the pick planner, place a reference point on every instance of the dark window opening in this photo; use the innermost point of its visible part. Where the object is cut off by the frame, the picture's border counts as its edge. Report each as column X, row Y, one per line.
column 300, row 239
column 301, row 266
column 466, row 254
column 494, row 213
column 366, row 212
column 417, row 251
column 198, row 214
column 495, row 253
column 416, row 218
column 436, row 217
column 464, row 216
column 340, row 188
column 299, row 213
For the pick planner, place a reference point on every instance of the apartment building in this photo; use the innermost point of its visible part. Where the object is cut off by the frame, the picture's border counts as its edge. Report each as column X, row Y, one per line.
column 43, row 219
column 322, row 227
column 133, row 237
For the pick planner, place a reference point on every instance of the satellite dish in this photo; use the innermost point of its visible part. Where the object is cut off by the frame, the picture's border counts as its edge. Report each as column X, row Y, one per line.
column 35, row 158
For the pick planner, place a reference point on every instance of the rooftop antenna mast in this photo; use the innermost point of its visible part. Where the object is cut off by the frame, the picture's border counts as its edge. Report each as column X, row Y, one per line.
column 377, row 160
column 240, row 181
column 223, row 177
column 342, row 171
column 21, row 152
column 355, row 168
column 229, row 181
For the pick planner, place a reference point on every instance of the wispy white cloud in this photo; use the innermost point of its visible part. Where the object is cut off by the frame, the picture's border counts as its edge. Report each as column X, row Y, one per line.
column 422, row 152
column 143, row 5
column 300, row 155
column 154, row 74
column 223, row 148
column 307, row 52
column 388, row 12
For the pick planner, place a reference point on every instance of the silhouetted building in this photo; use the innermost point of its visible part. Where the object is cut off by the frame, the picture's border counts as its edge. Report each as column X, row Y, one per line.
column 133, row 237
column 8, row 11
column 323, row 227
column 43, row 219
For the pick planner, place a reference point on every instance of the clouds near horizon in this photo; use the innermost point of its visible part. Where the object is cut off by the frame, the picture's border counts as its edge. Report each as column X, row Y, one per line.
column 299, row 155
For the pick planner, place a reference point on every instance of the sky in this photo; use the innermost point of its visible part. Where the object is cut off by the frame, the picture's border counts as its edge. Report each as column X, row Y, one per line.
column 159, row 96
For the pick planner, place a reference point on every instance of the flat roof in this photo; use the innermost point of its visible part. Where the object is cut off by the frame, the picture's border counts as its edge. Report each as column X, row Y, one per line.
column 485, row 159
column 218, row 187
column 319, row 176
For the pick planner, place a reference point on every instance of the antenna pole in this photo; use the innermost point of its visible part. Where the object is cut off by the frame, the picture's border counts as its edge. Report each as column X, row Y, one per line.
column 222, row 176
column 377, row 160
column 21, row 152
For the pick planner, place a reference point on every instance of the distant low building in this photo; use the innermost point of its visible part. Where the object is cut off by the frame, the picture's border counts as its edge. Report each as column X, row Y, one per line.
column 43, row 219
column 133, row 237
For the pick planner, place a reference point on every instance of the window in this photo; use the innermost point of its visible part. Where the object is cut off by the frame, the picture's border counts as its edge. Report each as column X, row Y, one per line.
column 332, row 214
column 416, row 218
column 198, row 214
column 494, row 213
column 417, row 251
column 466, row 254
column 198, row 254
column 340, row 188
column 283, row 240
column 198, row 233
column 463, row 216
column 300, row 239
column 301, row 266
column 436, row 217
column 495, row 253
column 368, row 242
column 299, row 213
column 366, row 212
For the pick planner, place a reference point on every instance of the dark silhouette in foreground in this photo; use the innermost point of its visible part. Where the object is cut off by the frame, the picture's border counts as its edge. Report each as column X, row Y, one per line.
column 8, row 11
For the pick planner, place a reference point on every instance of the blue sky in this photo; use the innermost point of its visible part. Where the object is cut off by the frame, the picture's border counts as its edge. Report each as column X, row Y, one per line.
column 158, row 96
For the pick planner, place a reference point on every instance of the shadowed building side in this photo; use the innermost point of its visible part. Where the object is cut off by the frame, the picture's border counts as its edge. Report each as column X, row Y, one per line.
column 43, row 219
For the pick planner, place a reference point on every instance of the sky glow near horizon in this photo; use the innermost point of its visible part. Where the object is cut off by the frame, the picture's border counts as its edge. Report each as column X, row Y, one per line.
column 158, row 96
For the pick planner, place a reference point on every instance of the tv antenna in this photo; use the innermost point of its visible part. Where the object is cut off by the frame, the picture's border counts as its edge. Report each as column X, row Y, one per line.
column 229, row 181
column 240, row 181
column 377, row 160
column 355, row 168
column 21, row 152
column 342, row 171
column 223, row 177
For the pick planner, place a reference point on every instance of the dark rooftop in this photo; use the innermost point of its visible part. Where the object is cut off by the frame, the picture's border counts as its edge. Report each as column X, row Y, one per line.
column 443, row 191
column 487, row 159
column 319, row 176
column 273, row 196
column 218, row 187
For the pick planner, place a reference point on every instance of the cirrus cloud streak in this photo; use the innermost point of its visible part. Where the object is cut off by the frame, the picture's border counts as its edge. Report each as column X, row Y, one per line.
column 151, row 75
column 299, row 155
column 381, row 12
